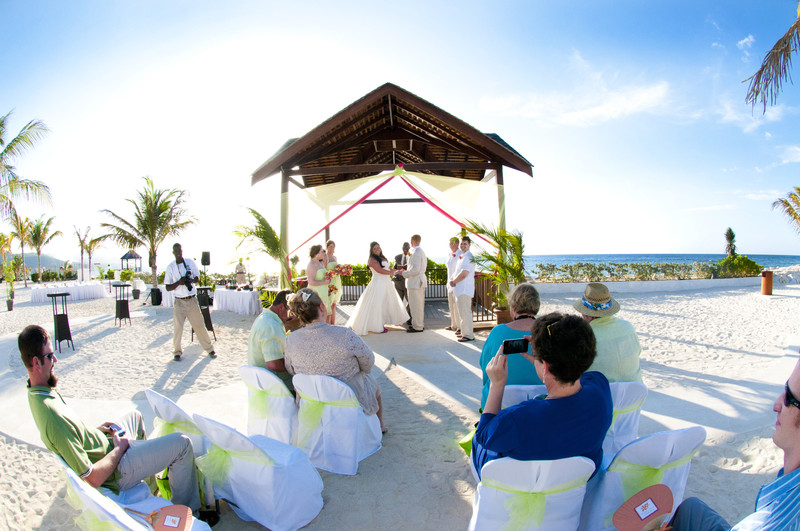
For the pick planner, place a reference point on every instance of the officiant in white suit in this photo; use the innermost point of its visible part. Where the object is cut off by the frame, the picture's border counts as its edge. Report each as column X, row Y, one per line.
column 416, row 282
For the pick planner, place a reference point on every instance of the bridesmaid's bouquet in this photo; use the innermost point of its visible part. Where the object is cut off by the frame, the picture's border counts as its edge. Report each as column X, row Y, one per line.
column 345, row 270
column 332, row 290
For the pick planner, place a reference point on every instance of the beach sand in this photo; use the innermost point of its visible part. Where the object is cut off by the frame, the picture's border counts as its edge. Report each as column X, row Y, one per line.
column 715, row 357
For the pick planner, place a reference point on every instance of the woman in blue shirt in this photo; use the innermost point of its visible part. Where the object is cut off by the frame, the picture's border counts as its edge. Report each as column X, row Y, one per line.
column 524, row 305
column 572, row 420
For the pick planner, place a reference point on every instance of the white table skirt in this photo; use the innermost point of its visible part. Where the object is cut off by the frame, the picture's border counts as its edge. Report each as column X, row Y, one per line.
column 243, row 302
column 77, row 292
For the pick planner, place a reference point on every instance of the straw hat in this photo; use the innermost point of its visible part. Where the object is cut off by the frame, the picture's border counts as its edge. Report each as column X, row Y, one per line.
column 596, row 301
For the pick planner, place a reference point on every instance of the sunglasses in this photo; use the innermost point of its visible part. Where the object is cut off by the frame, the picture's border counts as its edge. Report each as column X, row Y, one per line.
column 788, row 398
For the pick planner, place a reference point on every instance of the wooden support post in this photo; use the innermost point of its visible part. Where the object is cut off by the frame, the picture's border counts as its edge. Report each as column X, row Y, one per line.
column 284, row 222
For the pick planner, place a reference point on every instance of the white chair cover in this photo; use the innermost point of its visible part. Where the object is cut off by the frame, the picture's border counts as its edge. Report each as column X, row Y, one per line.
column 263, row 479
column 515, row 394
column 271, row 407
column 100, row 512
column 170, row 418
column 628, row 398
column 540, row 495
column 332, row 428
column 662, row 457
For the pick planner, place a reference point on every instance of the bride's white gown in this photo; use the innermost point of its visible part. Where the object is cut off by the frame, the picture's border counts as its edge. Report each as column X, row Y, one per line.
column 378, row 305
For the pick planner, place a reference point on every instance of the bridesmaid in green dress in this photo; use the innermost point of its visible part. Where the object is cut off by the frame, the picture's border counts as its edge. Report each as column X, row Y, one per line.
column 315, row 273
column 331, row 263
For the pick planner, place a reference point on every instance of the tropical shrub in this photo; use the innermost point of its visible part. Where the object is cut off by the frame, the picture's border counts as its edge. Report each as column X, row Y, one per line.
column 160, row 277
column 126, row 275
column 736, row 266
column 110, row 274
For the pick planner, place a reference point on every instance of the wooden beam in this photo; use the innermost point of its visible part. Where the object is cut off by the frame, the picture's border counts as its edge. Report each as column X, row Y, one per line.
column 383, row 201
column 377, row 168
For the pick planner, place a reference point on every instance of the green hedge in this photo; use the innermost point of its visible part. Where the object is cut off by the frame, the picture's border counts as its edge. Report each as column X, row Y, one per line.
column 729, row 267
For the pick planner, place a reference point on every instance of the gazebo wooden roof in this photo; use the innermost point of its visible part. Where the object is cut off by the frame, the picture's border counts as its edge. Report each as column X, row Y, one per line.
column 388, row 126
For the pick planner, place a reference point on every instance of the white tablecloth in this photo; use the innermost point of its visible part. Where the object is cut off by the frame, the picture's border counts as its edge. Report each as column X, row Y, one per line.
column 244, row 302
column 77, row 292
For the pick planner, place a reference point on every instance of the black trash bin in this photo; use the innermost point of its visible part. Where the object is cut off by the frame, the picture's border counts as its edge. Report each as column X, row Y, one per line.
column 155, row 296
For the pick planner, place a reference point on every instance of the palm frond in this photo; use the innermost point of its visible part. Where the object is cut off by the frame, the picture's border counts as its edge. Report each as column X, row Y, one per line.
column 767, row 83
column 265, row 236
column 790, row 206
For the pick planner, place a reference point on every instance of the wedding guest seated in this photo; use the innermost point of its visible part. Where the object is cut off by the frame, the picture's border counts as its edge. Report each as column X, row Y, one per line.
column 618, row 347
column 524, row 305
column 571, row 420
column 116, row 455
column 330, row 350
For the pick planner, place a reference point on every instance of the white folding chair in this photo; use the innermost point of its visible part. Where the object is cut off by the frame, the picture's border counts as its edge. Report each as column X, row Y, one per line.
column 628, row 398
column 262, row 479
column 170, row 418
column 662, row 457
column 543, row 495
column 271, row 407
column 99, row 511
column 332, row 428
column 515, row 394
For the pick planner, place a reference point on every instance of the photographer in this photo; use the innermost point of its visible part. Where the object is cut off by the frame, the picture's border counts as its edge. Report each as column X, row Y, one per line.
column 180, row 277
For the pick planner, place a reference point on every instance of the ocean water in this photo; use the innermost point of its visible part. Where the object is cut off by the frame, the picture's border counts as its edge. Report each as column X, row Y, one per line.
column 764, row 260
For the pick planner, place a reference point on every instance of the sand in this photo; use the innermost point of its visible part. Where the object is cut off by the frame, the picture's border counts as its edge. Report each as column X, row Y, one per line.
column 712, row 357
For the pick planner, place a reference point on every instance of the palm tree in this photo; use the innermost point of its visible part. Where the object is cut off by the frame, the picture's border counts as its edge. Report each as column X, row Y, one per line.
column 5, row 245
column 730, row 242
column 21, row 231
column 791, row 207
column 507, row 260
column 66, row 270
column 157, row 215
column 767, row 82
column 268, row 240
column 40, row 236
column 82, row 242
column 12, row 186
column 91, row 246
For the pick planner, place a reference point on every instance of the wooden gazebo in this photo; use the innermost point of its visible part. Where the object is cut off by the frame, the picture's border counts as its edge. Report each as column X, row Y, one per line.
column 125, row 260
column 374, row 134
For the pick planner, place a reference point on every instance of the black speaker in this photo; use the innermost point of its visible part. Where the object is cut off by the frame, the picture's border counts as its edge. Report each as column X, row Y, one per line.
column 205, row 258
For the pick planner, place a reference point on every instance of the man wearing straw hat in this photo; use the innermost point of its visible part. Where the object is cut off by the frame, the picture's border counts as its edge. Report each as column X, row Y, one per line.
column 618, row 347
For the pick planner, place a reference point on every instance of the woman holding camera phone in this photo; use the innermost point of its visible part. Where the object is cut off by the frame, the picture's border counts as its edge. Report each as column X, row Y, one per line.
column 524, row 305
column 572, row 420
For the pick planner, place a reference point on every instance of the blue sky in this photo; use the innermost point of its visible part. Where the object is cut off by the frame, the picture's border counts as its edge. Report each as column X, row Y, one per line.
column 631, row 112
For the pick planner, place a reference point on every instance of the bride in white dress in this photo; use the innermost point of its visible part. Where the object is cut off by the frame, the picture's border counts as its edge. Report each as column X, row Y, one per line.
column 379, row 304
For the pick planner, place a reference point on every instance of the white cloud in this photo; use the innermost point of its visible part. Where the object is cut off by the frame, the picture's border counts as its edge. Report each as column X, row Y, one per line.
column 743, row 116
column 710, row 208
column 594, row 99
column 790, row 154
column 745, row 45
column 758, row 195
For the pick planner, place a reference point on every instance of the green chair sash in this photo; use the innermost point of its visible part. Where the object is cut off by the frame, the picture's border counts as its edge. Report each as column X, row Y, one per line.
column 216, row 465
column 638, row 477
column 87, row 520
column 162, row 427
column 529, row 507
column 630, row 409
column 258, row 398
column 466, row 442
column 310, row 413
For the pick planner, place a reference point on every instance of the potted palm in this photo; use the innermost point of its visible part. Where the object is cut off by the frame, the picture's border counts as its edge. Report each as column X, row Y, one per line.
column 263, row 235
column 505, row 262
column 8, row 273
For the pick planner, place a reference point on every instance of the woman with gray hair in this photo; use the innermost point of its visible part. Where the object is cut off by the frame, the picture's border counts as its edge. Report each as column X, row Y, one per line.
column 524, row 305
column 330, row 350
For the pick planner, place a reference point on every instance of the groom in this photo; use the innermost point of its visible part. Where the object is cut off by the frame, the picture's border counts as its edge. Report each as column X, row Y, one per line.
column 416, row 282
